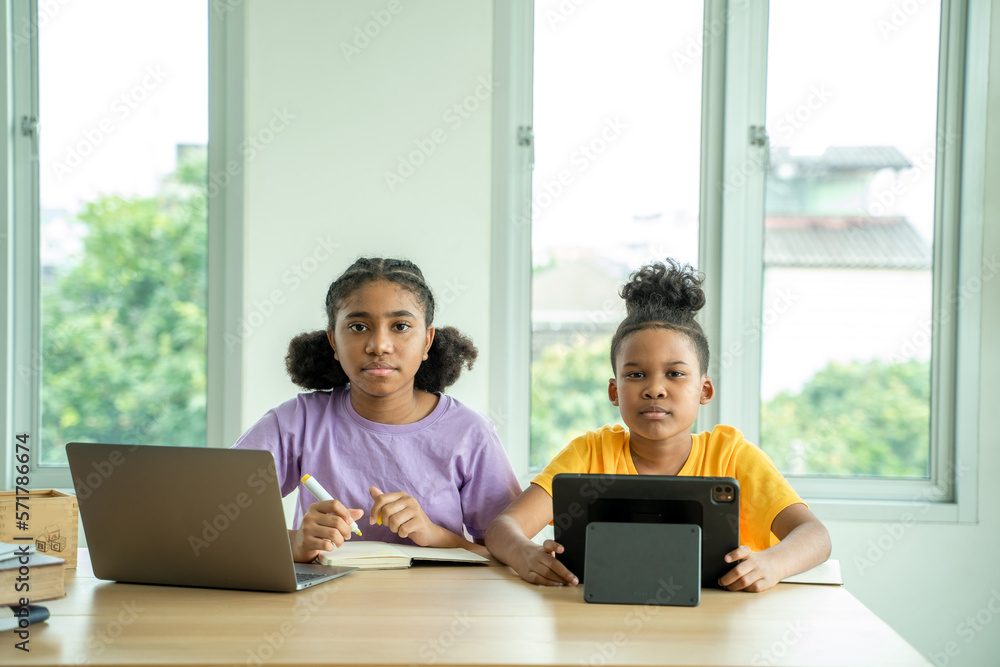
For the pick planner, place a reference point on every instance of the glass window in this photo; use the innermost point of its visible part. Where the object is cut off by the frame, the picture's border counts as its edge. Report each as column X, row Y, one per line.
column 122, row 163
column 848, row 238
column 617, row 116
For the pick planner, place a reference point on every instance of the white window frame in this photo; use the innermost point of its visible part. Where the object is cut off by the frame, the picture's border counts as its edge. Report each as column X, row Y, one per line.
column 20, row 313
column 6, row 247
column 734, row 58
column 510, row 283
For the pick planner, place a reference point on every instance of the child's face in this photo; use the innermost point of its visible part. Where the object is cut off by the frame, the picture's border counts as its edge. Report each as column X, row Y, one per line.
column 380, row 338
column 659, row 386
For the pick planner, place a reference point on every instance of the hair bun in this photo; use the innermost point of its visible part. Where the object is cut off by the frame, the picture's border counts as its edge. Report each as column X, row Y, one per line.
column 670, row 286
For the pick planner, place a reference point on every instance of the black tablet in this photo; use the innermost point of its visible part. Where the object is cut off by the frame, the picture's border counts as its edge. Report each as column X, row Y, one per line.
column 713, row 503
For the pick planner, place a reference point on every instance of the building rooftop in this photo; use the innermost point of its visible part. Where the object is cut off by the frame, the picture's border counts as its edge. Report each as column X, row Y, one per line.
column 837, row 159
column 844, row 242
column 586, row 287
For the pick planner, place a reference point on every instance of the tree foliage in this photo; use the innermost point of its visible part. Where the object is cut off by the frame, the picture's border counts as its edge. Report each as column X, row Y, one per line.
column 569, row 395
column 124, row 329
column 862, row 418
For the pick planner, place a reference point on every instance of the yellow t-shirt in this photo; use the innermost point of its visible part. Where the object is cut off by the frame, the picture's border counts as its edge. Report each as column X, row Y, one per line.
column 724, row 452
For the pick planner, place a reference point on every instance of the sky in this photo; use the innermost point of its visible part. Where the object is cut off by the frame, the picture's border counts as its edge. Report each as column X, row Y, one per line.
column 121, row 83
column 640, row 61
column 617, row 101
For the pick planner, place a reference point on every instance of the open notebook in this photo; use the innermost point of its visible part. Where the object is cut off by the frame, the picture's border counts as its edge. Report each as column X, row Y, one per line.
column 371, row 555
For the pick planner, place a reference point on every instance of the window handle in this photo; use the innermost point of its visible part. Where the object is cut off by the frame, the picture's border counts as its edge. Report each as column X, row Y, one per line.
column 759, row 138
column 526, row 137
column 29, row 126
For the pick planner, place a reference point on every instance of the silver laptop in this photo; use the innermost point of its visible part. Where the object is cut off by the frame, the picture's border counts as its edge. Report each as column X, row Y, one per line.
column 187, row 516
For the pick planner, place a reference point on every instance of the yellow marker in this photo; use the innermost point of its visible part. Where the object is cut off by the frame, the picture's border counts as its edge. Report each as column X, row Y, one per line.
column 321, row 494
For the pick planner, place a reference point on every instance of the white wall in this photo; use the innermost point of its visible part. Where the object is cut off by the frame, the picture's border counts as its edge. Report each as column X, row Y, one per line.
column 323, row 175
column 358, row 104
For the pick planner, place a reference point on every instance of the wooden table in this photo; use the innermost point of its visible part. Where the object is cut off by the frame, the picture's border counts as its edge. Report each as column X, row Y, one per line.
column 433, row 614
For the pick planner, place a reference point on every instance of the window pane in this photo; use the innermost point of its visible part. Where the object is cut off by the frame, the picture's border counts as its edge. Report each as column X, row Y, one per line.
column 851, row 115
column 617, row 119
column 123, row 107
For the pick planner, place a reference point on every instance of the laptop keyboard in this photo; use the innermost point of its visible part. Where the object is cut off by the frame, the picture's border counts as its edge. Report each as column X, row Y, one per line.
column 302, row 577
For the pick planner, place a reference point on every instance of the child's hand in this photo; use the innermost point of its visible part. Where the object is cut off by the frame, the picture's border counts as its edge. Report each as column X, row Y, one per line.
column 757, row 572
column 325, row 526
column 402, row 514
column 539, row 565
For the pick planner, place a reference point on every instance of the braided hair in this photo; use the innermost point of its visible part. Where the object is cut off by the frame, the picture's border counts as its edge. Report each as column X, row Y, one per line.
column 310, row 360
column 663, row 296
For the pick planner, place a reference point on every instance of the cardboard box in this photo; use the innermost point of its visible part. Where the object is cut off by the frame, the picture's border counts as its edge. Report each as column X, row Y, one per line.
column 53, row 520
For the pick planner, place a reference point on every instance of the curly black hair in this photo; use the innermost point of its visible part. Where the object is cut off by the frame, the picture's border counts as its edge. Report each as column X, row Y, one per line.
column 310, row 361
column 663, row 296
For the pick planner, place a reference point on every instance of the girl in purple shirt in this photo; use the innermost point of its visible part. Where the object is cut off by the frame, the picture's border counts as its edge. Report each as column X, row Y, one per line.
column 376, row 431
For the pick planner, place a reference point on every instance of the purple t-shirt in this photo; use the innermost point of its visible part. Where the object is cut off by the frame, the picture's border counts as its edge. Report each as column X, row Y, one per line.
column 451, row 461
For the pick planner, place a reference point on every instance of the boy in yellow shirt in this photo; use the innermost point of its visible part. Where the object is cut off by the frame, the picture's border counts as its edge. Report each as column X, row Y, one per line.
column 659, row 356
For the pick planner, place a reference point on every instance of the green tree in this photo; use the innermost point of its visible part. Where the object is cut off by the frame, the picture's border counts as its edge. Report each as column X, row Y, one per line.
column 861, row 418
column 124, row 329
column 569, row 395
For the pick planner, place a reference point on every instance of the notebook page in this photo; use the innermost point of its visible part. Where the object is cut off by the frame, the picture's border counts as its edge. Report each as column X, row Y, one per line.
column 825, row 573
column 441, row 553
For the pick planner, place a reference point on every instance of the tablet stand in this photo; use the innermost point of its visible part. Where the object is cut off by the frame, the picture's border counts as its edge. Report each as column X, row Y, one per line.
column 643, row 563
